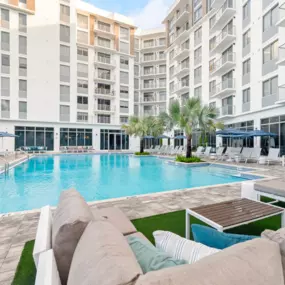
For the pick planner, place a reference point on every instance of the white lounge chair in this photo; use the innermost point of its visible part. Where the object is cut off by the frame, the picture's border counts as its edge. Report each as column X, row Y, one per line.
column 199, row 151
column 226, row 154
column 218, row 154
column 255, row 155
column 207, row 152
column 273, row 156
column 156, row 149
column 244, row 155
column 162, row 149
column 234, row 151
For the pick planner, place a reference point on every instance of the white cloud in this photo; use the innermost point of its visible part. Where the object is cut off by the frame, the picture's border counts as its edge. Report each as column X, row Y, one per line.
column 152, row 14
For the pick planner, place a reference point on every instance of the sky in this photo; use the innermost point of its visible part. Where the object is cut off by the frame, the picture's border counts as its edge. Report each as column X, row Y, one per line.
column 147, row 14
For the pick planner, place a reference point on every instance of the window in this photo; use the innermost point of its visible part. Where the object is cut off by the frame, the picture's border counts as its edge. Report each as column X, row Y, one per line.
column 82, row 54
column 198, row 55
column 212, row 43
column 82, row 21
column 246, row 67
column 124, row 77
column 5, row 67
column 64, row 113
column 23, row 1
column 82, row 117
column 5, row 108
column 270, row 18
column 64, row 93
column 162, row 69
column 64, row 53
column 22, row 23
column 171, row 55
column 148, row 43
column 82, row 102
column 5, row 41
column 64, row 34
column 162, row 41
column 64, row 73
column 197, row 36
column 185, row 81
column 212, row 21
column 197, row 74
column 82, row 37
column 148, row 70
column 246, row 10
column 124, row 106
column 104, row 27
column 136, row 70
column 212, row 87
column 23, row 88
column 162, row 82
column 161, row 55
column 171, row 71
column 22, row 45
column 198, row 92
column 246, row 96
column 22, row 110
column 171, row 86
column 124, row 92
column 124, row 34
column 124, row 47
column 104, row 73
column 270, row 87
column 124, row 63
column 124, row 120
column 137, row 43
column 136, row 83
column 270, row 52
column 82, row 86
column 148, row 56
column 246, row 38
column 5, row 18
column 198, row 14
column 5, row 86
column 104, row 42
column 82, row 70
column 64, row 13
column 137, row 57
column 22, row 66
column 104, row 119
column 185, row 63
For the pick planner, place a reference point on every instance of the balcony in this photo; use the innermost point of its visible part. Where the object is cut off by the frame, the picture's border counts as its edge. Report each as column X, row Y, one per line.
column 148, row 86
column 281, row 95
column 105, row 77
column 104, row 46
column 246, row 107
column 216, row 4
column 269, row 99
column 281, row 22
column 182, row 70
column 181, row 52
column 82, row 106
column 104, row 93
column 104, row 62
column 104, row 30
column 223, row 89
column 281, row 60
column 103, row 120
column 182, row 16
column 181, row 87
column 225, row 13
column 225, row 63
column 23, row 115
column 102, row 108
column 155, row 58
column 150, row 46
column 227, row 111
column 223, row 40
column 149, row 113
column 181, row 34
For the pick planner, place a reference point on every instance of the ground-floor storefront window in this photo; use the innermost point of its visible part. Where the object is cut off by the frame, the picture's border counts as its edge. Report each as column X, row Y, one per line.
column 273, row 125
column 113, row 140
column 34, row 136
column 75, row 137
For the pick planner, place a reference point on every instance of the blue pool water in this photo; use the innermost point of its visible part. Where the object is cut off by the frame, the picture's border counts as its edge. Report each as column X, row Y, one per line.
column 39, row 181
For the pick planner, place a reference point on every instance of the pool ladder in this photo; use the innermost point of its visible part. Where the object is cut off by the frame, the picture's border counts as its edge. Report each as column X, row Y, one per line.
column 6, row 165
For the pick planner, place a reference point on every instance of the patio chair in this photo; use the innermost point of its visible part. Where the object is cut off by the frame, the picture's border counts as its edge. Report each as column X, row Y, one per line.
column 244, row 155
column 234, row 151
column 218, row 154
column 156, row 149
column 150, row 149
column 273, row 156
column 206, row 152
column 255, row 154
column 226, row 154
column 167, row 150
column 174, row 150
column 181, row 151
column 199, row 151
column 162, row 149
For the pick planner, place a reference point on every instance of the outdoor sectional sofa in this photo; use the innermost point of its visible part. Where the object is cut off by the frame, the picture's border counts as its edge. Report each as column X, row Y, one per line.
column 88, row 246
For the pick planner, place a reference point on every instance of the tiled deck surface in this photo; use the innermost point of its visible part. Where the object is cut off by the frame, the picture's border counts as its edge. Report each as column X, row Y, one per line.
column 17, row 229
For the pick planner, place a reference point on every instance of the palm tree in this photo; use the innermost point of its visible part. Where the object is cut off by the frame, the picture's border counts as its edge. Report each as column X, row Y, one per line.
column 189, row 117
column 141, row 127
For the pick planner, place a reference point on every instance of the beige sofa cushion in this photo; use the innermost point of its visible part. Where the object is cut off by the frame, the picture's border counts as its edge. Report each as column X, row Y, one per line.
column 69, row 222
column 275, row 187
column 103, row 257
column 116, row 217
column 279, row 237
column 256, row 262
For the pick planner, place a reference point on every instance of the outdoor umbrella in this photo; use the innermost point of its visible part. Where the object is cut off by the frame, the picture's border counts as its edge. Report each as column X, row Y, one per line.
column 163, row 137
column 148, row 137
column 6, row 135
column 260, row 133
column 180, row 137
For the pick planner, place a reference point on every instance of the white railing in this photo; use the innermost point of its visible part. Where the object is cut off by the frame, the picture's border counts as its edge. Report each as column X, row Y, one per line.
column 148, row 85
column 104, row 120
column 281, row 52
column 103, row 91
column 229, row 31
column 82, row 106
column 226, row 84
column 228, row 4
column 104, row 28
column 228, row 57
column 149, row 99
column 103, row 107
column 227, row 110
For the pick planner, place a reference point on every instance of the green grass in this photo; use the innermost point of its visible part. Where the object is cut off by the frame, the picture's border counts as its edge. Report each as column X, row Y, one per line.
column 142, row 153
column 26, row 270
column 192, row 159
column 173, row 222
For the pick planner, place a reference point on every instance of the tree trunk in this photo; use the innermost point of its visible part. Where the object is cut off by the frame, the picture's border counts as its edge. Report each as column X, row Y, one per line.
column 141, row 146
column 188, row 146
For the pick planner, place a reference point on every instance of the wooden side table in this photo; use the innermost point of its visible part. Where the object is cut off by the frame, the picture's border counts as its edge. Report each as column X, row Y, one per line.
column 234, row 213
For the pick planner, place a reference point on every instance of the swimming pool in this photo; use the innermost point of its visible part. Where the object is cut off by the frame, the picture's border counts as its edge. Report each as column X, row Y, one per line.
column 40, row 180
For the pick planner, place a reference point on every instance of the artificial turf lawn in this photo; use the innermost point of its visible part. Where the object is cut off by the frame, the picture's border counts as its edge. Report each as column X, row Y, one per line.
column 173, row 222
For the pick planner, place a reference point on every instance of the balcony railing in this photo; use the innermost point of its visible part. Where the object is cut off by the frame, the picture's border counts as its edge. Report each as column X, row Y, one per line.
column 246, row 107
column 105, row 76
column 23, row 115
column 5, row 114
column 82, row 90
column 149, row 99
column 269, row 99
column 149, row 113
column 183, row 29
column 226, row 58
column 229, row 31
column 82, row 106
column 103, row 120
column 103, row 107
column 148, row 85
column 281, row 55
column 227, row 110
column 105, row 60
column 103, row 91
column 103, row 28
column 64, row 18
column 224, row 85
column 182, row 12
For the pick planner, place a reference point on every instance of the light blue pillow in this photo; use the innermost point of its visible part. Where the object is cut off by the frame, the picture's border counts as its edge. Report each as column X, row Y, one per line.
column 213, row 238
column 149, row 257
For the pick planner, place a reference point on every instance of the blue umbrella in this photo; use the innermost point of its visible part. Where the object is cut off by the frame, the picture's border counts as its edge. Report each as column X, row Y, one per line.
column 148, row 137
column 163, row 137
column 7, row 135
column 230, row 131
column 180, row 137
column 260, row 133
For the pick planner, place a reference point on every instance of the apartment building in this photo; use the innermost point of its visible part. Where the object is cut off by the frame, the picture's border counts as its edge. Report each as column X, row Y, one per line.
column 67, row 74
column 230, row 54
column 150, row 72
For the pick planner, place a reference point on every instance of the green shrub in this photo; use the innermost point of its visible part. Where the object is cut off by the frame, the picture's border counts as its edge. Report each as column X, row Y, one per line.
column 192, row 159
column 142, row 153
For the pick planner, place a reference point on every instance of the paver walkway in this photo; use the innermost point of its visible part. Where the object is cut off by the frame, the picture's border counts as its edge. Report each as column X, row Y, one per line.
column 17, row 229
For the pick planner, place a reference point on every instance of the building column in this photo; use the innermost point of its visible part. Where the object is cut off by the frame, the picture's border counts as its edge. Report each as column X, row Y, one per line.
column 56, row 143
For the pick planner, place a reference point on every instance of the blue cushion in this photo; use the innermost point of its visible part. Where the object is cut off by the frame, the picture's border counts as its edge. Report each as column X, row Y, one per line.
column 213, row 238
column 149, row 257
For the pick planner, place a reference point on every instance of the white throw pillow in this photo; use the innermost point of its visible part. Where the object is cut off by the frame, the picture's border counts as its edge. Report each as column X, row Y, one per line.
column 182, row 248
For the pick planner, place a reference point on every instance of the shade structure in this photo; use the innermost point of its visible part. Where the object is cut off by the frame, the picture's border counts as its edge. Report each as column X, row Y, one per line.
column 148, row 137
column 7, row 135
column 231, row 132
column 180, row 137
column 260, row 133
column 163, row 137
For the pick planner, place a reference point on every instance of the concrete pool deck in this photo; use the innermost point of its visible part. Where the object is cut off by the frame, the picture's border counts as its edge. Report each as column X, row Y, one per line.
column 18, row 228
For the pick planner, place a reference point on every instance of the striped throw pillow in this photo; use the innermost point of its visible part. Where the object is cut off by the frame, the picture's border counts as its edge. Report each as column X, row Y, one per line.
column 181, row 248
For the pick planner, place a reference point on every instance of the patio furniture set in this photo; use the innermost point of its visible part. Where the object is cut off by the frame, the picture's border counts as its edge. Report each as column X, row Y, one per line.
column 167, row 150
column 76, row 149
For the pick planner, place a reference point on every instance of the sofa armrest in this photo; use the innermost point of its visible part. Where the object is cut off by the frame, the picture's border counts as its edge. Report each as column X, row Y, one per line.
column 47, row 272
column 43, row 237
